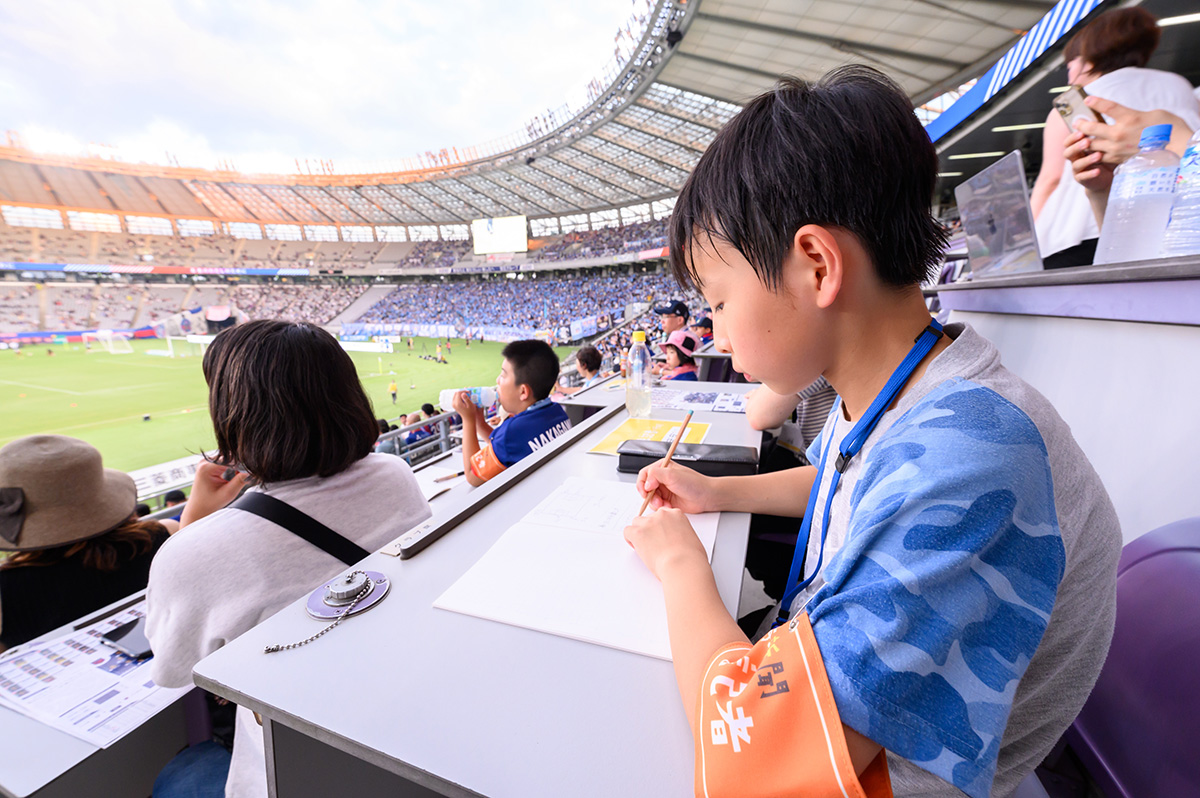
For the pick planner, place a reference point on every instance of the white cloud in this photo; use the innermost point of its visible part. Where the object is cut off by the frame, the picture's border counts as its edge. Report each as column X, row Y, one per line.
column 272, row 81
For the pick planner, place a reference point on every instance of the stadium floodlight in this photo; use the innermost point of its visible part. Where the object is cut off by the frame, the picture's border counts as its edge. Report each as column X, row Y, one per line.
column 500, row 234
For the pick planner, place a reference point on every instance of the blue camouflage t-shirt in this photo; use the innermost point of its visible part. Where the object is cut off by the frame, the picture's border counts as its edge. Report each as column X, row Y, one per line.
column 967, row 593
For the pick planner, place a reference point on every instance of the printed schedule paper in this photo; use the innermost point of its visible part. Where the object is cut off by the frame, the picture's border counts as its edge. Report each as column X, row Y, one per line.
column 566, row 569
column 81, row 686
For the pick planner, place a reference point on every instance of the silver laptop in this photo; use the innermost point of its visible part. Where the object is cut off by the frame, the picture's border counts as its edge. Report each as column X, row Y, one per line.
column 997, row 219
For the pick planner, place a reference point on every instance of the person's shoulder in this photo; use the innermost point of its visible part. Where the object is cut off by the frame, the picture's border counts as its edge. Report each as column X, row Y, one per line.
column 960, row 415
column 213, row 531
column 382, row 465
column 1135, row 86
column 181, row 561
column 555, row 411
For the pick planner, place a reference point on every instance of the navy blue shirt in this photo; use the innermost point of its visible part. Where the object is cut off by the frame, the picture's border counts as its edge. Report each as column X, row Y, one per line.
column 528, row 431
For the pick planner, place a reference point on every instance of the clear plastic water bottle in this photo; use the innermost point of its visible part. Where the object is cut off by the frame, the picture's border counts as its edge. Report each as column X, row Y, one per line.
column 637, row 380
column 1140, row 200
column 484, row 397
column 1183, row 233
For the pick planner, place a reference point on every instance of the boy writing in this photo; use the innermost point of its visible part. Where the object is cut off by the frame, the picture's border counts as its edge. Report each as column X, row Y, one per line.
column 527, row 375
column 958, row 594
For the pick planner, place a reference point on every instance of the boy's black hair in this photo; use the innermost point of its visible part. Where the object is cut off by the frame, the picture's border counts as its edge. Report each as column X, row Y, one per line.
column 534, row 364
column 846, row 151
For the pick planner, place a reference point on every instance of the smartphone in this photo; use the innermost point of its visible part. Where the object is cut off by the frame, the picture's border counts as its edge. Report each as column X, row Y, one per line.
column 1071, row 106
column 129, row 639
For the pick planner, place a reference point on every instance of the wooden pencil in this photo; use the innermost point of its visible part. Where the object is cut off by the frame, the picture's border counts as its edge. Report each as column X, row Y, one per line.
column 670, row 454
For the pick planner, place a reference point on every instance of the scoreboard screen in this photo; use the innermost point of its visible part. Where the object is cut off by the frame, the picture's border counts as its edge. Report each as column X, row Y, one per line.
column 501, row 234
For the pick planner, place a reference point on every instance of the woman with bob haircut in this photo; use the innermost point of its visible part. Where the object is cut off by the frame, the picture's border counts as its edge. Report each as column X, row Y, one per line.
column 1108, row 57
column 77, row 543
column 291, row 418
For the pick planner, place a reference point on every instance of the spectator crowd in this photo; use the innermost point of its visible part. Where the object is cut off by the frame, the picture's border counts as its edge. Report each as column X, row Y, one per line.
column 605, row 241
column 532, row 304
column 83, row 306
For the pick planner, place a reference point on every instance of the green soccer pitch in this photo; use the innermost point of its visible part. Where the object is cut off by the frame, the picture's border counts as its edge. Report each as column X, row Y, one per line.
column 101, row 398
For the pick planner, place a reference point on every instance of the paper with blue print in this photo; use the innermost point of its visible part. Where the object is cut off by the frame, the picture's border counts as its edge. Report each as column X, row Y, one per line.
column 937, row 600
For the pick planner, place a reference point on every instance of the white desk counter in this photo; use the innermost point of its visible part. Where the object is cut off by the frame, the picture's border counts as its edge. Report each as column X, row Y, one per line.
column 419, row 701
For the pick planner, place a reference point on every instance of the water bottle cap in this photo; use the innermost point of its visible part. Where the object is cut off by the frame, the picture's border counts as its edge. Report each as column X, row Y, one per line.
column 1155, row 135
column 639, row 336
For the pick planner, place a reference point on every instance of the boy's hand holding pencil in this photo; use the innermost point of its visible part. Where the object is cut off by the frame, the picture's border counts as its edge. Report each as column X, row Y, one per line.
column 666, row 537
column 666, row 460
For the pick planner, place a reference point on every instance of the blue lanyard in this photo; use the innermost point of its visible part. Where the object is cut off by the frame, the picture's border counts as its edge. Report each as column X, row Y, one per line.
column 850, row 446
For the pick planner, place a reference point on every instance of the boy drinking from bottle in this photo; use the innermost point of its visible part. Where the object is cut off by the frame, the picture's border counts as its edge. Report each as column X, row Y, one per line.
column 528, row 373
column 954, row 602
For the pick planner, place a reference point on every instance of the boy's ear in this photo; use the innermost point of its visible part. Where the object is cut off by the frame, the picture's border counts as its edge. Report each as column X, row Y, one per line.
column 821, row 263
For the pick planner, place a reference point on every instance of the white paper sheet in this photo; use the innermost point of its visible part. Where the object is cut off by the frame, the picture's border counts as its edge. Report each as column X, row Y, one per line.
column 430, row 488
column 566, row 569
column 676, row 399
column 731, row 403
column 81, row 686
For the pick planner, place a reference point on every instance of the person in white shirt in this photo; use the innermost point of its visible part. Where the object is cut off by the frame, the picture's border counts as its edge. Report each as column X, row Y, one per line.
column 291, row 418
column 1108, row 57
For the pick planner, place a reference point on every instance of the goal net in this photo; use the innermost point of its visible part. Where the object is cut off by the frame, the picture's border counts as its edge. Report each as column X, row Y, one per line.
column 115, row 343
column 180, row 346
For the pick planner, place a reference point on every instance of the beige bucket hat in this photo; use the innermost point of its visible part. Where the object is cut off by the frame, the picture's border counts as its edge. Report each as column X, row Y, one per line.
column 55, row 490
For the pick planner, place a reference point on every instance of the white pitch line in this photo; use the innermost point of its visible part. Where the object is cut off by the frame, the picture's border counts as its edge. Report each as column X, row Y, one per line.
column 41, row 387
column 120, row 388
column 140, row 365
column 162, row 414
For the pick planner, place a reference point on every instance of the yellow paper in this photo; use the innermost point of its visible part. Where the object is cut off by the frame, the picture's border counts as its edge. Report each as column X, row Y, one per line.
column 649, row 429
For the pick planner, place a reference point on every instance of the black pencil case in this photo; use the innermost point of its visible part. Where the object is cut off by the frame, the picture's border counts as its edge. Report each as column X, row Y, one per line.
column 709, row 459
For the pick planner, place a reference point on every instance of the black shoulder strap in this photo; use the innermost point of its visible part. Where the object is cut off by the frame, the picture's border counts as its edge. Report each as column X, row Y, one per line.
column 302, row 525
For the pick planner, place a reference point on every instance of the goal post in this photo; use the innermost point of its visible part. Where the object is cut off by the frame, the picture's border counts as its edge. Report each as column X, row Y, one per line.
column 115, row 343
column 180, row 346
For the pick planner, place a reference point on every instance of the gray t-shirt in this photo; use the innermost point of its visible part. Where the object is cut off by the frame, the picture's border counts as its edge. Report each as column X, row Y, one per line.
column 967, row 592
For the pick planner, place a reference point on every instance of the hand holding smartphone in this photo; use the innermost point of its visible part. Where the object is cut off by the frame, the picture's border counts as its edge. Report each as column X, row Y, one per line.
column 1072, row 107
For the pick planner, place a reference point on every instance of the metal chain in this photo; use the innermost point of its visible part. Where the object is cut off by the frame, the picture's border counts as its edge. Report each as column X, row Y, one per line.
column 361, row 595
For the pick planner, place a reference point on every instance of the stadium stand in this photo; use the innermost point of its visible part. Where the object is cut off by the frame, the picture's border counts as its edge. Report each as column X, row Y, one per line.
column 72, row 307
column 606, row 241
column 319, row 304
column 18, row 308
column 69, row 307
column 525, row 305
column 61, row 246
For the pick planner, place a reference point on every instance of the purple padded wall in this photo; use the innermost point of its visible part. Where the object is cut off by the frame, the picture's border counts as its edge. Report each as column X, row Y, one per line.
column 1139, row 731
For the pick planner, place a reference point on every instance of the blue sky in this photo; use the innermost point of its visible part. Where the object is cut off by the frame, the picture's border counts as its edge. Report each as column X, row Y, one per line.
column 263, row 82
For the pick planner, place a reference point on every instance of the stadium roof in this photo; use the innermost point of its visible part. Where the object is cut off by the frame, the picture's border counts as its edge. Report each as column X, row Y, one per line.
column 636, row 141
